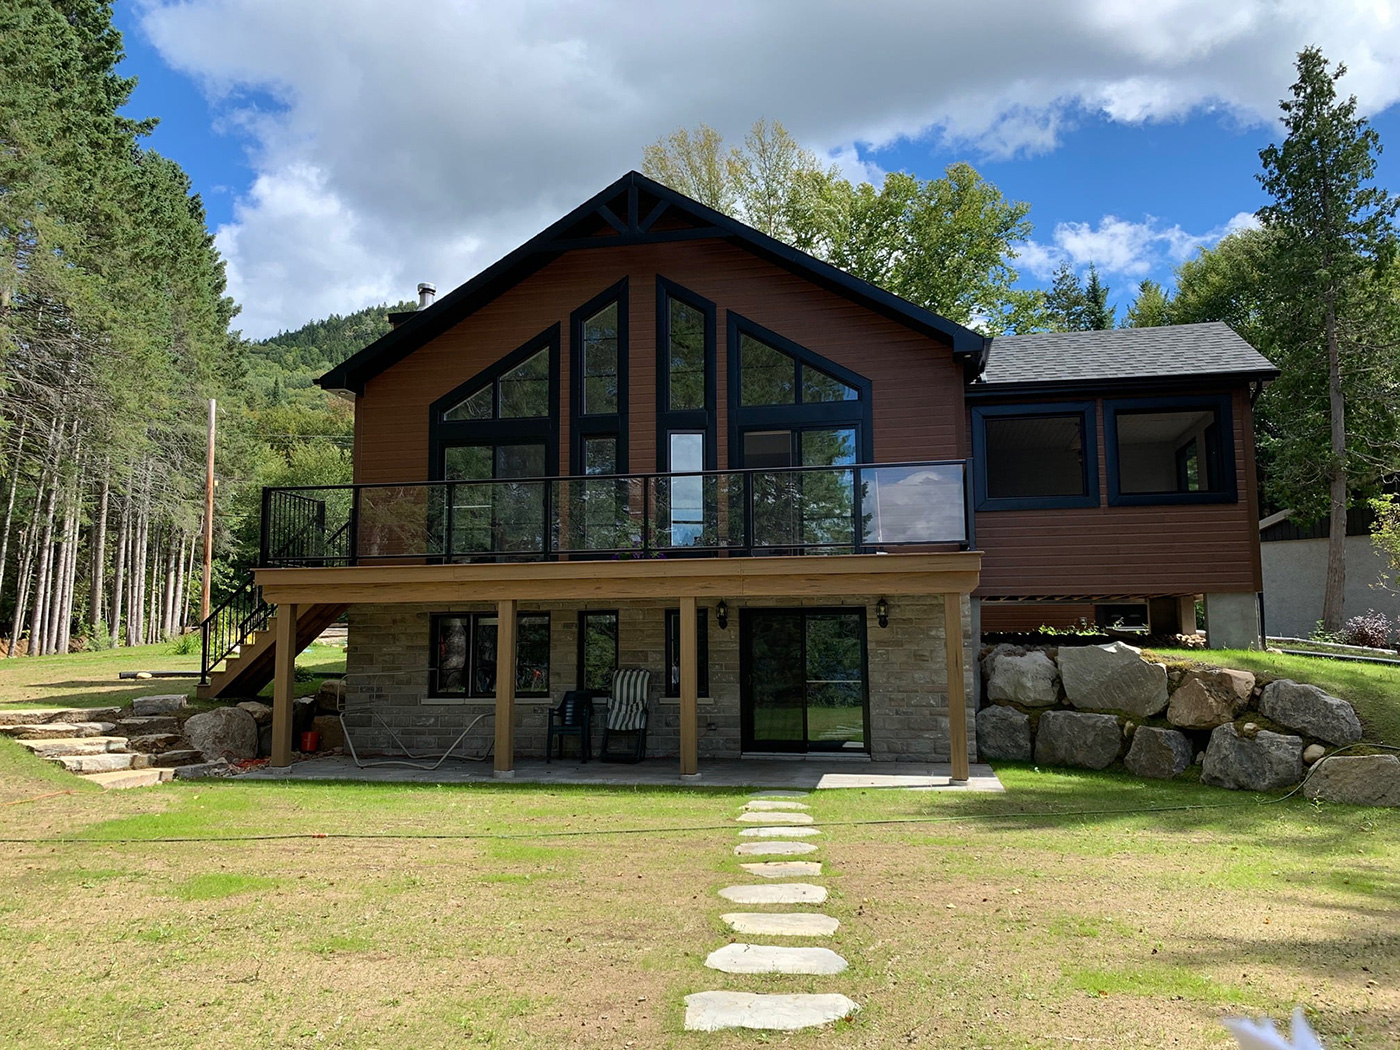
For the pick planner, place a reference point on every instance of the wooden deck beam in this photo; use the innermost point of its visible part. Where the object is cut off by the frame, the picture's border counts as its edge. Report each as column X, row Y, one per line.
column 284, row 682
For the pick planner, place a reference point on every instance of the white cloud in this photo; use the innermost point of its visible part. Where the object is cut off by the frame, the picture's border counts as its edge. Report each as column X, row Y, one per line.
column 413, row 142
column 1120, row 247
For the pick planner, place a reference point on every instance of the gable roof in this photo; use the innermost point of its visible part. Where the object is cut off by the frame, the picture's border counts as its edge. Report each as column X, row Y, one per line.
column 633, row 210
column 1171, row 351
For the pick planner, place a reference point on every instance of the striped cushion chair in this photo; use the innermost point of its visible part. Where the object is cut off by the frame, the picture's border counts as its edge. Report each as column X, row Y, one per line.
column 627, row 712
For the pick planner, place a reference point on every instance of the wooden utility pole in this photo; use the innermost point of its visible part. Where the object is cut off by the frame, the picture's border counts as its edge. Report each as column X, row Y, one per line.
column 208, row 521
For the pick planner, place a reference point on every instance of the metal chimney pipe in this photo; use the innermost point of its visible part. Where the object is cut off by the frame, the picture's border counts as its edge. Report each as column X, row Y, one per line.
column 427, row 292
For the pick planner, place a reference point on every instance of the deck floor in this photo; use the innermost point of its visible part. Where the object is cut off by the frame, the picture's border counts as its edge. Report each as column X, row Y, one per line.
column 797, row 774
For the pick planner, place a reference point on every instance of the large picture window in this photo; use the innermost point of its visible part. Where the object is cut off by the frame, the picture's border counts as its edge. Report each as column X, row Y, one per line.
column 598, row 367
column 673, row 652
column 685, row 381
column 1035, row 456
column 1169, row 450
column 463, row 655
column 597, row 650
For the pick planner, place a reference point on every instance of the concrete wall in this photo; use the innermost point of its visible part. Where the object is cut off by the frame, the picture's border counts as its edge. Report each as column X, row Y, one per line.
column 1295, row 576
column 387, row 673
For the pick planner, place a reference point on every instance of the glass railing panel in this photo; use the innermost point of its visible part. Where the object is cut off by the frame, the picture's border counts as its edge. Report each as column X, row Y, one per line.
column 598, row 515
column 905, row 504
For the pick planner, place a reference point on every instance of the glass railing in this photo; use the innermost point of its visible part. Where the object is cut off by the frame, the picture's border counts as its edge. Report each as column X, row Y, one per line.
column 800, row 510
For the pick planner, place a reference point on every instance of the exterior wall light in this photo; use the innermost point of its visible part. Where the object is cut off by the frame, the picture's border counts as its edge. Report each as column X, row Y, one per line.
column 722, row 615
column 882, row 613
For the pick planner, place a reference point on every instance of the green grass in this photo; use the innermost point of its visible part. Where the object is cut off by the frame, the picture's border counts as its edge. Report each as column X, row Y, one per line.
column 1373, row 689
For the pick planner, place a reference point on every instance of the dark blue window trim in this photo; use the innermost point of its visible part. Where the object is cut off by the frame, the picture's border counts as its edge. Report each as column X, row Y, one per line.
column 612, row 424
column 691, row 420
column 1222, row 453
column 858, row 413
column 1090, row 441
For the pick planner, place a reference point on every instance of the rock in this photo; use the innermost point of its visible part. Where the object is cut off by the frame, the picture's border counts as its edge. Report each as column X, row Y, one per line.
column 58, row 730
column 225, row 732
column 1029, row 678
column 118, row 779
column 181, row 757
column 1206, row 699
column 1250, row 727
column 782, row 893
column 331, row 733
column 1309, row 710
column 773, row 849
column 1264, row 762
column 154, row 742
column 265, row 742
column 763, row 958
column 147, row 725
column 261, row 712
column 1356, row 780
column 88, row 745
column 989, row 661
column 762, row 804
column 782, row 869
column 158, row 705
column 1113, row 677
column 774, row 818
column 203, row 770
column 1158, row 753
column 104, row 763
column 1070, row 738
column 1312, row 753
column 779, row 833
column 1003, row 732
column 781, row 924
column 36, row 716
column 713, row 1011
column 331, row 695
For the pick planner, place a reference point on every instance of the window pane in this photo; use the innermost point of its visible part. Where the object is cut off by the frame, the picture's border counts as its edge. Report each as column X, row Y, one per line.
column 520, row 461
column 600, row 362
column 525, row 390
column 828, row 496
column 1030, row 456
column 466, row 463
column 673, row 652
column 597, row 650
column 768, row 448
column 1167, row 452
column 818, row 386
column 687, row 356
column 600, row 455
column 687, row 503
column 474, row 406
column 532, row 655
column 471, row 504
column 835, row 680
column 828, row 448
column 451, row 645
column 484, row 657
column 766, row 376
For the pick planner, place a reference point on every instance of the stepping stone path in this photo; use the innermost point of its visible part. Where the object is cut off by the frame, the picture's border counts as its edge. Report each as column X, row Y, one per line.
column 778, row 821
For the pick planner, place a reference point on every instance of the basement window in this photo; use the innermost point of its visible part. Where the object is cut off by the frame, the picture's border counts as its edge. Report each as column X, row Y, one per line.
column 463, row 655
column 1035, row 456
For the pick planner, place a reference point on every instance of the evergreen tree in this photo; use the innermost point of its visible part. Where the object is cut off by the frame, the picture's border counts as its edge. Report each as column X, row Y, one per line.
column 1066, row 305
column 1098, row 315
column 1151, row 309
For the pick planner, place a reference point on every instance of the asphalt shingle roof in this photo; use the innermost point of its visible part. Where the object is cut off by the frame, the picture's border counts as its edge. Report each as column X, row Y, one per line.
column 1212, row 348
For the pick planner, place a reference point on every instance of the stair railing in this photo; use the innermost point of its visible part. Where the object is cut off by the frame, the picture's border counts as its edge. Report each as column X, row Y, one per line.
column 231, row 624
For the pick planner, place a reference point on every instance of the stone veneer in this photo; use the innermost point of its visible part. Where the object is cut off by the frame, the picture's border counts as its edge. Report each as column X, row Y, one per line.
column 387, row 670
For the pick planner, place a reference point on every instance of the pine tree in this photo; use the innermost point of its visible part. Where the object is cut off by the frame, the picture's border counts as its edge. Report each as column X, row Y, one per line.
column 1097, row 315
column 1065, row 302
column 1151, row 308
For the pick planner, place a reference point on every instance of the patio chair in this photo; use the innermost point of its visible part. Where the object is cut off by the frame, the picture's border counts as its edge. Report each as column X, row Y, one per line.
column 573, row 717
column 627, row 713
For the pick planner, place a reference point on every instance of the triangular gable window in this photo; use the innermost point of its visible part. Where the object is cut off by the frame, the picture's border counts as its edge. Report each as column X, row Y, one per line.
column 521, row 393
column 768, row 376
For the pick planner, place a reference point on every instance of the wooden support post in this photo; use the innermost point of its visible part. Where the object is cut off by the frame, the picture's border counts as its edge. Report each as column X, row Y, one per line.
column 957, row 693
column 505, row 688
column 690, row 689
column 284, row 683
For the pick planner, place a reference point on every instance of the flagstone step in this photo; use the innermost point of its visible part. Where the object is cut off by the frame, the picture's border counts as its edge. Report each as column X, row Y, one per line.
column 782, row 794
column 38, row 716
column 130, row 778
column 87, row 745
column 57, row 730
column 782, row 893
column 766, row 805
column 781, row 924
column 774, row 818
column 713, row 1011
column 773, row 848
column 766, row 958
column 105, row 763
column 779, row 833
column 782, row 869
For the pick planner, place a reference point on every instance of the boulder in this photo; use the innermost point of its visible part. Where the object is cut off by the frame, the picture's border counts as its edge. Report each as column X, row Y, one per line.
column 1158, row 753
column 1003, row 732
column 262, row 713
column 1309, row 710
column 1263, row 762
column 1312, row 753
column 225, row 732
column 331, row 694
column 1113, row 677
column 1206, row 699
column 1357, row 780
column 158, row 705
column 1028, row 678
column 1069, row 738
column 332, row 735
column 204, row 770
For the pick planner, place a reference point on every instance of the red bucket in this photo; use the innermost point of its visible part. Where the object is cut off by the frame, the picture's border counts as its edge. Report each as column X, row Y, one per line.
column 310, row 740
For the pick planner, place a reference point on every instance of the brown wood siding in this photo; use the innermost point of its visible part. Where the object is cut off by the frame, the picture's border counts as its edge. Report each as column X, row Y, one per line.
column 1154, row 550
column 918, row 404
column 1006, row 616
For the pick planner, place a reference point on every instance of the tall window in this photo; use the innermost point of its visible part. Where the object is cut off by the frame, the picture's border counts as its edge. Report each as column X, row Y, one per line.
column 1030, row 456
column 685, row 379
column 673, row 652
column 597, row 650
column 464, row 655
column 1169, row 450
column 598, row 366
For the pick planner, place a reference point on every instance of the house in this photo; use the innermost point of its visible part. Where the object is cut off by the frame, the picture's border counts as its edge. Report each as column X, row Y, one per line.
column 653, row 437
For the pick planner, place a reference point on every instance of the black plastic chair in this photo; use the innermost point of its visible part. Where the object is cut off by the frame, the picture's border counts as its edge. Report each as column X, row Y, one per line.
column 573, row 717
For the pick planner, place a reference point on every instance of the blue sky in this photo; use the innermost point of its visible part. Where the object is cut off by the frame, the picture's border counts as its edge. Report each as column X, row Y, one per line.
column 341, row 158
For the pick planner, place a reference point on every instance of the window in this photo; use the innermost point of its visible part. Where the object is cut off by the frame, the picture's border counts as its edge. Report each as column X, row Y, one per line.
column 767, row 376
column 597, row 650
column 491, row 518
column 686, row 360
column 521, row 393
column 599, row 347
column 687, row 494
column 598, row 368
column 1169, row 450
column 673, row 652
column 1035, row 456
column 686, row 435
column 463, row 655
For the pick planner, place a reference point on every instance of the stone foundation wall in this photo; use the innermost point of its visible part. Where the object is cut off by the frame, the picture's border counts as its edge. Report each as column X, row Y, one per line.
column 387, row 680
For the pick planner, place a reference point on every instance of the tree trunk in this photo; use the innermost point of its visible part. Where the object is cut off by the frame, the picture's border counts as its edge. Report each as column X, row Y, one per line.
column 119, row 569
column 186, row 572
column 39, row 617
column 1333, row 609
column 10, row 508
column 26, row 569
column 97, row 589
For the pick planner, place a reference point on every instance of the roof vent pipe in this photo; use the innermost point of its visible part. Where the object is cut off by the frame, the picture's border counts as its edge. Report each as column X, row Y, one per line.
column 427, row 292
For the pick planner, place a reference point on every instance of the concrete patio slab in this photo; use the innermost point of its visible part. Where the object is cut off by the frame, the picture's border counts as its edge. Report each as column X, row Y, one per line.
column 775, row 848
column 774, row 818
column 767, row 958
column 780, row 924
column 779, row 833
column 783, row 869
column 713, row 1011
column 782, row 893
column 768, row 805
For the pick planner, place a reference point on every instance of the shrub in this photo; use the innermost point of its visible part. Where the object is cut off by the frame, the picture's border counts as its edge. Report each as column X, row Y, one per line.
column 186, row 644
column 1372, row 629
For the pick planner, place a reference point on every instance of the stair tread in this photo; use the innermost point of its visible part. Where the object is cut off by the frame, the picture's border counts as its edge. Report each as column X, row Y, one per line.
column 126, row 778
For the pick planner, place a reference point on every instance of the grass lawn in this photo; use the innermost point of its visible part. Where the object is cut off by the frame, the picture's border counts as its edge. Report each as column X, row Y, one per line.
column 1373, row 689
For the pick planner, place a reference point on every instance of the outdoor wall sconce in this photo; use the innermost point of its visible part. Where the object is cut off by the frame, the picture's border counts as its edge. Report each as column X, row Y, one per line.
column 722, row 614
column 882, row 613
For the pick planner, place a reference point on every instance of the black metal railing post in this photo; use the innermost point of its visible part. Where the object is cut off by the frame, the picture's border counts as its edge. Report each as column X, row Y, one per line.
column 265, row 531
column 352, row 549
column 969, row 513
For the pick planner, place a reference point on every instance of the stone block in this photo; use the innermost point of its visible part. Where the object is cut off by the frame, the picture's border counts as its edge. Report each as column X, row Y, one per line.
column 1310, row 710
column 1206, row 699
column 1031, row 679
column 1113, row 677
column 1158, row 753
column 1262, row 761
column 1073, row 738
column 1003, row 732
column 1356, row 780
column 167, row 704
column 224, row 732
